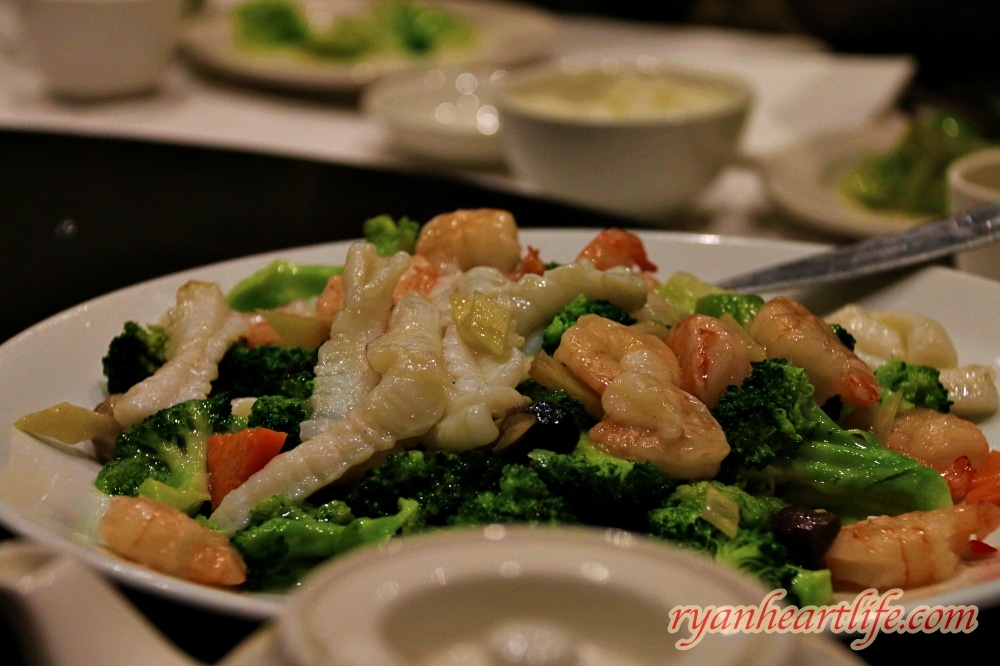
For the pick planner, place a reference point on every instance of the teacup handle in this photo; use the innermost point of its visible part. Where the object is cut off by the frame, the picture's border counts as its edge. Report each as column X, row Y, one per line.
column 67, row 615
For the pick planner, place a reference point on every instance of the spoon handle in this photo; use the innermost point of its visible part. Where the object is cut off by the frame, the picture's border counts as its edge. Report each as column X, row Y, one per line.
column 917, row 245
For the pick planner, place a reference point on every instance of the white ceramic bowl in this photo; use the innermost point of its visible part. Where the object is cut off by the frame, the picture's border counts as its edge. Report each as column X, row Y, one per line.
column 523, row 595
column 88, row 49
column 973, row 181
column 444, row 114
column 640, row 138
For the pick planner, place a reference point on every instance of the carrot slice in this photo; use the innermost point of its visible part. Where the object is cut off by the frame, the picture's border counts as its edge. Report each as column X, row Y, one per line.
column 234, row 457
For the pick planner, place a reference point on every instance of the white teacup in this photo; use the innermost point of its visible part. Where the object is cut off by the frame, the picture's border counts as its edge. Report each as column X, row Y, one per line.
column 973, row 182
column 88, row 49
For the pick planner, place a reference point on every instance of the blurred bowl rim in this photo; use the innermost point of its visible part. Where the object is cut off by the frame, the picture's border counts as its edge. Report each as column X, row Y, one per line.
column 377, row 98
column 402, row 570
column 740, row 102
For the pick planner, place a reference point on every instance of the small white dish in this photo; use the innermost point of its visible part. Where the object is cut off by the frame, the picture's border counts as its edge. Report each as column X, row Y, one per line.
column 443, row 114
column 93, row 49
column 506, row 32
column 545, row 596
column 804, row 180
column 973, row 182
column 636, row 137
column 522, row 595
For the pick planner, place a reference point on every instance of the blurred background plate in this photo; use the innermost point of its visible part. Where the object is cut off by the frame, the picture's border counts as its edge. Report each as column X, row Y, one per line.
column 506, row 32
column 804, row 180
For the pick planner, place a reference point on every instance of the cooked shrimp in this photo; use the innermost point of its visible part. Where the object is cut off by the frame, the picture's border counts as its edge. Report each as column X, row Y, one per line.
column 652, row 421
column 787, row 329
column 615, row 247
column 937, row 440
column 532, row 262
column 286, row 325
column 422, row 276
column 168, row 540
column 713, row 356
column 200, row 328
column 881, row 335
column 646, row 415
column 407, row 401
column 468, row 238
column 597, row 350
column 331, row 299
column 909, row 550
column 343, row 374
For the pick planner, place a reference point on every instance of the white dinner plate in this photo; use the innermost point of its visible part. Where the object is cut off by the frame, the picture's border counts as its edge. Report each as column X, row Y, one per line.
column 506, row 32
column 47, row 493
column 804, row 179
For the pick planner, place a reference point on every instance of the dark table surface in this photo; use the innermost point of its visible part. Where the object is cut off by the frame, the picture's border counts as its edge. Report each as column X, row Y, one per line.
column 82, row 216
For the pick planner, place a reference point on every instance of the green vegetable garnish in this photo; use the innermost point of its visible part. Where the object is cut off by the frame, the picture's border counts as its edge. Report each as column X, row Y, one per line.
column 280, row 283
column 274, row 23
column 910, row 178
column 389, row 236
column 391, row 26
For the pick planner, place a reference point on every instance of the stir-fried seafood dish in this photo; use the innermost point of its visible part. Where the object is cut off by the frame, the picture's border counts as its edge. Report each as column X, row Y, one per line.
column 443, row 375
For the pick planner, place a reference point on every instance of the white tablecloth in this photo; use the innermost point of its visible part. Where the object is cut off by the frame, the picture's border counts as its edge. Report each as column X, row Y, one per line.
column 801, row 90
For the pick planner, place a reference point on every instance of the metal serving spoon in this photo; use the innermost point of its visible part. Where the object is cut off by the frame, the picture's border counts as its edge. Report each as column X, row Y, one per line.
column 914, row 246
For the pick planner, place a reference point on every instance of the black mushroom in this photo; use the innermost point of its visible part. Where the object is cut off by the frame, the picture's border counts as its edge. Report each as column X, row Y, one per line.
column 539, row 425
column 805, row 533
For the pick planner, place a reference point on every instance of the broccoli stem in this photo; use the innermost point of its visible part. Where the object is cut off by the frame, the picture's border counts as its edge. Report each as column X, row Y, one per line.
column 857, row 478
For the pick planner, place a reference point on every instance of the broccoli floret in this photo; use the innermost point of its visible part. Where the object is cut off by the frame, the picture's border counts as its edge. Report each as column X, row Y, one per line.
column 772, row 413
column 279, row 413
column 913, row 385
column 600, row 489
column 164, row 457
column 270, row 23
column 440, row 482
column 134, row 354
column 389, row 236
column 285, row 539
column 731, row 526
column 530, row 388
column 742, row 307
column 267, row 370
column 845, row 336
column 471, row 487
column 699, row 514
column 521, row 497
column 575, row 309
column 420, row 29
column 781, row 438
column 757, row 553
